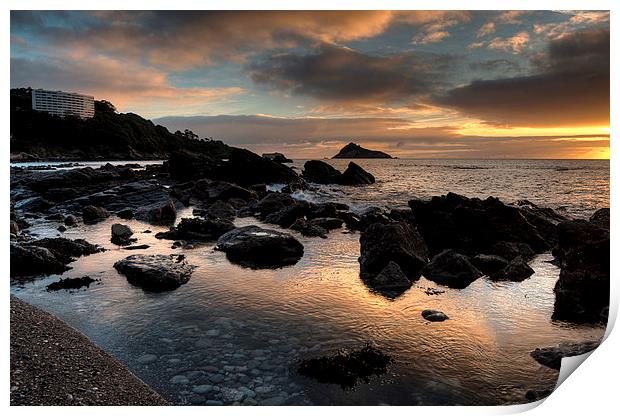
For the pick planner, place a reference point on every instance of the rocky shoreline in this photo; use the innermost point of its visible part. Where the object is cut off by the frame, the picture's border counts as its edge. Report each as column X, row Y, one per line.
column 450, row 239
column 53, row 364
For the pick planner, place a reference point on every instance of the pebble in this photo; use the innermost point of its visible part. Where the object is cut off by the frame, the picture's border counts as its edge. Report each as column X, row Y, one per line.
column 179, row 380
column 203, row 388
column 214, row 403
column 212, row 333
column 147, row 358
column 274, row 401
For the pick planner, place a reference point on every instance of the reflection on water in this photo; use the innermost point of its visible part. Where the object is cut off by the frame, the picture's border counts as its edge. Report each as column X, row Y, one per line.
column 234, row 334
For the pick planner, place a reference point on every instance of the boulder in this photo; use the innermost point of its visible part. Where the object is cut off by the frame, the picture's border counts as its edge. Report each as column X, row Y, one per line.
column 126, row 214
column 552, row 356
column 346, row 367
column 511, row 249
column 397, row 242
column 583, row 289
column 222, row 210
column 155, row 273
column 66, row 250
column 308, row 230
column 273, row 202
column 158, row 213
column 516, row 271
column 121, row 234
column 472, row 226
column 14, row 228
column 434, row 316
column 356, row 175
column 198, row 229
column 489, row 263
column 257, row 247
column 327, row 223
column 206, row 190
column 390, row 282
column 451, row 269
column 543, row 219
column 287, row 216
column 601, row 218
column 71, row 221
column 317, row 171
column 70, row 283
column 92, row 214
column 33, row 204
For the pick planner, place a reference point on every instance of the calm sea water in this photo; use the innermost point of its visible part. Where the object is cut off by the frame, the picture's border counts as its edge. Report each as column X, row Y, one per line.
column 234, row 335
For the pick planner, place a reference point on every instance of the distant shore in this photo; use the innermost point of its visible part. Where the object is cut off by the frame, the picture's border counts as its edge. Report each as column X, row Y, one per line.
column 53, row 364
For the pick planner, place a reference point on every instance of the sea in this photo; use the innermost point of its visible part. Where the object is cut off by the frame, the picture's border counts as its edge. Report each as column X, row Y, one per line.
column 233, row 335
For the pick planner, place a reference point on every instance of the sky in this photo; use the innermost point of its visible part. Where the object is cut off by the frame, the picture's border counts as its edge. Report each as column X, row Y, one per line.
column 420, row 84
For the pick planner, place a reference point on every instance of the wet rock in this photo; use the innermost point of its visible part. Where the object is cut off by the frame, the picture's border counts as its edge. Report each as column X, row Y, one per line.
column 544, row 220
column 71, row 283
column 158, row 213
column 277, row 157
column 62, row 228
column 451, row 269
column 121, row 234
column 308, row 230
column 356, row 175
column 316, row 171
column 197, row 229
column 208, row 191
column 552, row 356
column 66, row 250
column 601, row 218
column 179, row 379
column 398, row 242
column 71, row 221
column 511, row 249
column 147, row 358
column 346, row 367
column 256, row 247
column 155, row 273
column 536, row 395
column 583, row 289
column 327, row 223
column 222, row 210
column 92, row 214
column 14, row 228
column 390, row 282
column 489, row 263
column 55, row 217
column 472, row 226
column 273, row 202
column 434, row 316
column 33, row 204
column 125, row 214
column 32, row 260
column 373, row 215
column 287, row 216
column 137, row 247
column 516, row 271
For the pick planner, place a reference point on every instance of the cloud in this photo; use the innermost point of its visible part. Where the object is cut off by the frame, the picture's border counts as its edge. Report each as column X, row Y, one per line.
column 496, row 65
column 571, row 88
column 124, row 83
column 436, row 31
column 321, row 137
column 511, row 16
column 515, row 44
column 577, row 20
column 342, row 74
column 486, row 29
column 180, row 40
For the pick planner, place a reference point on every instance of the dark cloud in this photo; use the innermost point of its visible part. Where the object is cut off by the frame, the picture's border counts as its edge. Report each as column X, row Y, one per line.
column 496, row 65
column 571, row 88
column 341, row 74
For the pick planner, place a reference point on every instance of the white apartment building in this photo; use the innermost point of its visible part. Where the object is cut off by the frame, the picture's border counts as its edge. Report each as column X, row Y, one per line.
column 62, row 103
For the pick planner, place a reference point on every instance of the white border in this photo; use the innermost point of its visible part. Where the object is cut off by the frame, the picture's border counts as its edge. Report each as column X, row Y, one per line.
column 593, row 387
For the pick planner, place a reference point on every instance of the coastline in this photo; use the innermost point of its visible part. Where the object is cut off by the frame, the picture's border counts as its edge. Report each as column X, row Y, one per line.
column 54, row 364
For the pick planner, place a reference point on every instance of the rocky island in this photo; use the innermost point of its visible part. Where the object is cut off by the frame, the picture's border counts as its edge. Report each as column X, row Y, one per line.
column 355, row 151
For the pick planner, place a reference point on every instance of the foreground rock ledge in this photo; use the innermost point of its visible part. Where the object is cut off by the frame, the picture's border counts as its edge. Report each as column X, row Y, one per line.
column 155, row 273
column 50, row 362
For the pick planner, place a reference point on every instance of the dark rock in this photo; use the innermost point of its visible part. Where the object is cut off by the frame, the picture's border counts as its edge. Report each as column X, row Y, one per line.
column 121, row 234
column 273, row 202
column 125, row 214
column 390, row 282
column 536, row 395
column 471, row 225
column 326, row 209
column 317, row 171
column 355, row 175
column 158, row 213
column 92, row 214
column 327, row 223
column 400, row 215
column 308, row 230
column 601, row 218
column 71, row 221
column 222, row 210
column 155, row 273
column 351, row 220
column 451, row 269
column 355, row 151
column 287, row 216
column 552, row 356
column 346, row 367
column 398, row 242
column 259, row 188
column 55, row 217
column 198, row 229
column 34, row 204
column 511, row 249
column 544, row 220
column 209, row 191
column 373, row 215
column 138, row 247
column 583, row 289
column 71, row 283
column 489, row 263
column 246, row 168
column 516, row 271
column 434, row 316
column 14, row 228
column 62, row 228
column 66, row 250
column 256, row 247
column 277, row 157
